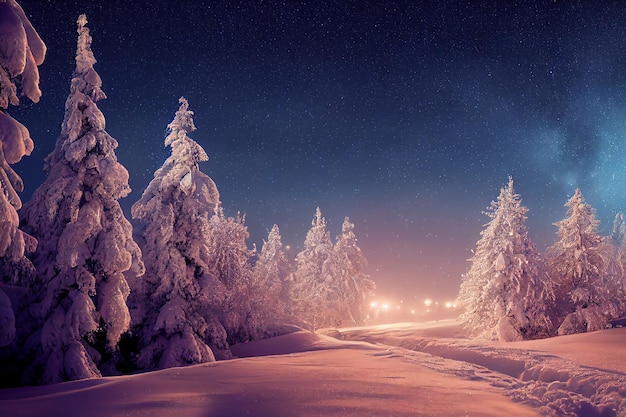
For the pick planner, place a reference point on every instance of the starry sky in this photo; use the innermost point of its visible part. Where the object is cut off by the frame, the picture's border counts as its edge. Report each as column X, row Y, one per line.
column 407, row 117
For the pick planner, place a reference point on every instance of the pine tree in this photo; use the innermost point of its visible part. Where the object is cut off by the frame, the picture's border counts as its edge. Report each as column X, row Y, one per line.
column 85, row 242
column 354, row 287
column 270, row 276
column 312, row 290
column 21, row 52
column 267, row 292
column 229, row 253
column 272, row 266
column 614, row 255
column 501, row 294
column 170, row 305
column 576, row 265
column 230, row 264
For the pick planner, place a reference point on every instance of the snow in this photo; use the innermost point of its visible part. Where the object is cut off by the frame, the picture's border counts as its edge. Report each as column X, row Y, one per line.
column 329, row 287
column 503, row 294
column 171, row 318
column 586, row 291
column 85, row 242
column 406, row 369
column 21, row 51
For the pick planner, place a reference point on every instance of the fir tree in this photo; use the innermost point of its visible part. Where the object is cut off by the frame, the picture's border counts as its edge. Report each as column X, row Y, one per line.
column 354, row 287
column 270, row 278
column 313, row 282
column 614, row 255
column 501, row 294
column 171, row 304
column 266, row 294
column 85, row 242
column 273, row 266
column 584, row 293
column 229, row 253
column 230, row 258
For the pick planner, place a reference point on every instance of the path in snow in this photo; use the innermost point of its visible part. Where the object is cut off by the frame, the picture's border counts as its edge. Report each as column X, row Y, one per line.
column 578, row 375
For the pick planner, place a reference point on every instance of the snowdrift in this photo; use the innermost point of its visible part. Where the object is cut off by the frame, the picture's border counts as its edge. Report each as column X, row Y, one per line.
column 577, row 375
column 404, row 369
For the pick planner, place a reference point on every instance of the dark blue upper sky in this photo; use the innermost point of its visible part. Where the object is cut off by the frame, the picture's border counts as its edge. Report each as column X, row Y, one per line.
column 405, row 116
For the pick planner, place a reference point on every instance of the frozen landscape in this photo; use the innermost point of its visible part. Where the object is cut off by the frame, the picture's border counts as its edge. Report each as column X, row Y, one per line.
column 180, row 310
column 405, row 369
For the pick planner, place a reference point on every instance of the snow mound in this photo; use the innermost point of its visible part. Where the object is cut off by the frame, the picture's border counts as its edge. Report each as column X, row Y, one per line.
column 328, row 377
column 298, row 341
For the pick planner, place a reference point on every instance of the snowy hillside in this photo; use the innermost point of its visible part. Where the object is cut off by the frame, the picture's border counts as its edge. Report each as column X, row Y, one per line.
column 407, row 369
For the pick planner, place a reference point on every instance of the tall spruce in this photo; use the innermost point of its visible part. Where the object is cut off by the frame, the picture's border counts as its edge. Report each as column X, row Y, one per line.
column 171, row 305
column 614, row 254
column 313, row 279
column 230, row 263
column 269, row 286
column 85, row 242
column 272, row 268
column 353, row 286
column 585, row 293
column 229, row 253
column 501, row 294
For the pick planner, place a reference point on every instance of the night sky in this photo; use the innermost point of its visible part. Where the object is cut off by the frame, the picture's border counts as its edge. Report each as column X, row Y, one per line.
column 407, row 117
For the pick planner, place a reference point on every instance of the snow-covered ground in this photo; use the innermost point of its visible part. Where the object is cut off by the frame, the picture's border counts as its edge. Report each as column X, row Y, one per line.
column 406, row 369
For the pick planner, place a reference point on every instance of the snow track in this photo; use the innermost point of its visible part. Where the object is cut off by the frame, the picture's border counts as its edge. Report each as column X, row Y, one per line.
column 550, row 383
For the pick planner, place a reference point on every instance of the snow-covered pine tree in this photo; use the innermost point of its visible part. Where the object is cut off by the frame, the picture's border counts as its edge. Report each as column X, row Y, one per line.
column 354, row 287
column 271, row 273
column 312, row 289
column 585, row 297
column 268, row 290
column 614, row 255
column 273, row 267
column 171, row 303
column 229, row 253
column 501, row 294
column 85, row 242
column 21, row 51
column 230, row 258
